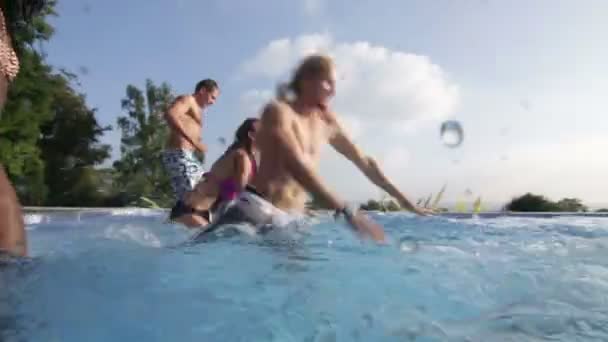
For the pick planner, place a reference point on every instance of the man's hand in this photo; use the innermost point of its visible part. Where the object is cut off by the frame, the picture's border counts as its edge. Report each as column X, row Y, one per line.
column 365, row 227
column 343, row 144
column 418, row 210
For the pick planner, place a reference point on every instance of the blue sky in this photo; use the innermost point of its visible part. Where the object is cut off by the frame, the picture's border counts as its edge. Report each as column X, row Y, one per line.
column 526, row 79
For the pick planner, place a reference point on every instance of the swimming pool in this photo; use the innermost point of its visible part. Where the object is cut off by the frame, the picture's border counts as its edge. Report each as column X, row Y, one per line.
column 118, row 276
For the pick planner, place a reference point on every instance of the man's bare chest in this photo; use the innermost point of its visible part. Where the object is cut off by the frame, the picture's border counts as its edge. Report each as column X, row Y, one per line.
column 310, row 134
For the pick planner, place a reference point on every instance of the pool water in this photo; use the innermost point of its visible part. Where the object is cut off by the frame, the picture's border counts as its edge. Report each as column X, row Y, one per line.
column 124, row 275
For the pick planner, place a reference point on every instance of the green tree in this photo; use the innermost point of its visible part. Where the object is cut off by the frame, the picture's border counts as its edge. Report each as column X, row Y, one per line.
column 391, row 206
column 70, row 148
column 538, row 203
column 27, row 22
column 383, row 205
column 28, row 103
column 371, row 205
column 49, row 139
column 315, row 203
column 531, row 202
column 571, row 205
column 139, row 172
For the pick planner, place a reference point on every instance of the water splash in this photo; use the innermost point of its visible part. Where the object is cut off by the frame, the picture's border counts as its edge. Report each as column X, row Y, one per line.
column 451, row 133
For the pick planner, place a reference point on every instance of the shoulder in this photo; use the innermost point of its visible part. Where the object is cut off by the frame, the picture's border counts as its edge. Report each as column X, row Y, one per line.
column 239, row 153
column 328, row 116
column 275, row 112
column 182, row 100
column 240, row 156
column 331, row 122
column 191, row 101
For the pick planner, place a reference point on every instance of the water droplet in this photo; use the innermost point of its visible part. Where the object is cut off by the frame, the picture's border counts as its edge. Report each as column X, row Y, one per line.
column 452, row 134
column 83, row 70
column 222, row 140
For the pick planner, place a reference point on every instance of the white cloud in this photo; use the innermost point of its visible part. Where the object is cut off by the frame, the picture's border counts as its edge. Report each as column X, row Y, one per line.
column 281, row 55
column 253, row 100
column 380, row 92
column 353, row 126
column 396, row 158
column 376, row 85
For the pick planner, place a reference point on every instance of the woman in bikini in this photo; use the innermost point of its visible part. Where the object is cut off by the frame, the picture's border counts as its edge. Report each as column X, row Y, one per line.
column 228, row 176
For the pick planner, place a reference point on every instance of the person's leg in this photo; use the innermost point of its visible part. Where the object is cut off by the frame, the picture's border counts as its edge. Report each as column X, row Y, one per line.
column 185, row 172
column 204, row 195
column 188, row 216
column 12, row 229
column 172, row 163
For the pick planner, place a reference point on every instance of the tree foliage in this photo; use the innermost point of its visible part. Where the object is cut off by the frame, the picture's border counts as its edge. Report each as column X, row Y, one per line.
column 571, row 205
column 70, row 143
column 385, row 205
column 139, row 172
column 538, row 203
column 49, row 138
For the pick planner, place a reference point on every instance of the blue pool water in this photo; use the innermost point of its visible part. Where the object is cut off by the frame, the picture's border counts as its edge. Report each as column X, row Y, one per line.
column 118, row 276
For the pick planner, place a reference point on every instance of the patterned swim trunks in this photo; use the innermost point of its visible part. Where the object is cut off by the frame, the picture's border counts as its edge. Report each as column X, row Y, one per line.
column 184, row 169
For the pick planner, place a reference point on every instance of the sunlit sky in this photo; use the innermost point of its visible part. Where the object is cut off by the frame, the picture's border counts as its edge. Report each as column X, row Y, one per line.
column 527, row 80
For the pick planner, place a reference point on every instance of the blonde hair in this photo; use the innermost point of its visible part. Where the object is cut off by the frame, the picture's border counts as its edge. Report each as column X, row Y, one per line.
column 311, row 66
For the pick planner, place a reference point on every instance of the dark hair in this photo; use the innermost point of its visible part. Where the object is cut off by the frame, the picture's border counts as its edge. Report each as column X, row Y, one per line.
column 208, row 84
column 242, row 138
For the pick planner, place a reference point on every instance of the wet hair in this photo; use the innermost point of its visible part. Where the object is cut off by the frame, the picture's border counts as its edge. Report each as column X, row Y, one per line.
column 311, row 66
column 242, row 138
column 207, row 84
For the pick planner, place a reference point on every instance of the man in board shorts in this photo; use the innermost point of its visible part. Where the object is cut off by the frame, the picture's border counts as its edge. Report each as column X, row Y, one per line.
column 185, row 121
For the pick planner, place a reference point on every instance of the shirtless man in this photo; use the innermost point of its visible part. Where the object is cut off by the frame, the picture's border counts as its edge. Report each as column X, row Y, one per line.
column 184, row 118
column 290, row 139
column 13, row 239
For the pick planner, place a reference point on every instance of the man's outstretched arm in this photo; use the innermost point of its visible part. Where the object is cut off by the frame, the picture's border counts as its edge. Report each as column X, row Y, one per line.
column 370, row 168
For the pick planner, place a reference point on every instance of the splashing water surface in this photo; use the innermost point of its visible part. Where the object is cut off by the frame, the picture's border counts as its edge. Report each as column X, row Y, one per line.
column 122, row 276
